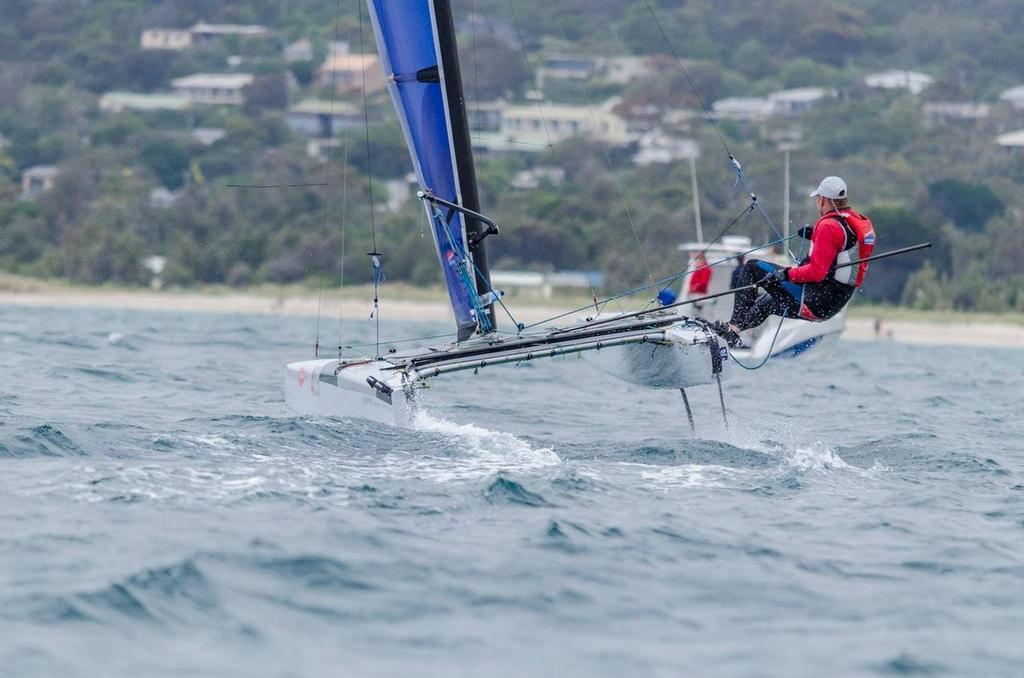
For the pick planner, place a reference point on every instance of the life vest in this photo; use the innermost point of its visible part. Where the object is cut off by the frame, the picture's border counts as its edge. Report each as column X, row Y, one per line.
column 860, row 242
column 700, row 278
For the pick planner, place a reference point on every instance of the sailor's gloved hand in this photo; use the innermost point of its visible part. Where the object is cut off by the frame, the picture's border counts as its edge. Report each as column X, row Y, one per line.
column 777, row 276
column 806, row 232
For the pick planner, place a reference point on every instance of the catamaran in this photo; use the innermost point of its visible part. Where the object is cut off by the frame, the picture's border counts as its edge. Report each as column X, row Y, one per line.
column 659, row 348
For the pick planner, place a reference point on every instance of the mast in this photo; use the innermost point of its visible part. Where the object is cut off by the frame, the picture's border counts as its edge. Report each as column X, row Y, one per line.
column 451, row 76
column 419, row 56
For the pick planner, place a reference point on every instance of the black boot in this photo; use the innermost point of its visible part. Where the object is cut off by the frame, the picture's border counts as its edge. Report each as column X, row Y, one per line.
column 731, row 336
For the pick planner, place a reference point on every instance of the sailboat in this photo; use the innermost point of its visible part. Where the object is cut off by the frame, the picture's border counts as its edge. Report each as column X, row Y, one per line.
column 659, row 349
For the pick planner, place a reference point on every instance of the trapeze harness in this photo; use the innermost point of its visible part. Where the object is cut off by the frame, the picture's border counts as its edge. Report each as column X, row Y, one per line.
column 821, row 299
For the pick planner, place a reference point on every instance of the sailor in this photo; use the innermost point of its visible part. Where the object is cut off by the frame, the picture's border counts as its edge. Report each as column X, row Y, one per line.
column 817, row 289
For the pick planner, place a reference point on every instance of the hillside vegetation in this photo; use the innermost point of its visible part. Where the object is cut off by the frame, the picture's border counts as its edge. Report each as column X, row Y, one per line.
column 946, row 181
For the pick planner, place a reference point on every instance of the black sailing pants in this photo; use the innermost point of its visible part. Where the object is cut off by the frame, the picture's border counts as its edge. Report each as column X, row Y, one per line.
column 823, row 299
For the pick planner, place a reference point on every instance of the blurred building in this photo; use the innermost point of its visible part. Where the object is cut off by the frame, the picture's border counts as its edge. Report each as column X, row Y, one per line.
column 1011, row 139
column 347, row 73
column 943, row 112
column 204, row 32
column 117, row 102
column 318, row 118
column 657, row 147
column 793, row 102
column 912, row 81
column 38, row 179
column 300, row 50
column 750, row 109
column 166, row 38
column 1013, row 96
column 214, row 89
column 538, row 125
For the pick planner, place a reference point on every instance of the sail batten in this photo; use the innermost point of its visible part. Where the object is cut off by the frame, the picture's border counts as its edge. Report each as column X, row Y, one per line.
column 416, row 43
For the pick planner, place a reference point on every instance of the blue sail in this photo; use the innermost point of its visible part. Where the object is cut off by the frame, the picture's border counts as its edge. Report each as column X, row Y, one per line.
column 413, row 60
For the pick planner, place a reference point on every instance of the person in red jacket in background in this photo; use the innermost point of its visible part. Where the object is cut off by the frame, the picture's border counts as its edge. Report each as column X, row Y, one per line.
column 817, row 289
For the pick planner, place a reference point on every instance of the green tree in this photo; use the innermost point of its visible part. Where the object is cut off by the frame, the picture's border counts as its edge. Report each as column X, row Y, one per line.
column 968, row 205
column 168, row 160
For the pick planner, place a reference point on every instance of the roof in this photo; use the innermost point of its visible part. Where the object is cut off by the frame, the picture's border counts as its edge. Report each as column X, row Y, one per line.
column 743, row 105
column 801, row 94
column 144, row 102
column 349, row 62
column 956, row 109
column 228, row 29
column 1011, row 139
column 214, row 80
column 897, row 79
column 322, row 107
column 41, row 171
column 1013, row 94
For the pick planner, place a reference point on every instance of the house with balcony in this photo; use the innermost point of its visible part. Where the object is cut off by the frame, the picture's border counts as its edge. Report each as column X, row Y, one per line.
column 214, row 89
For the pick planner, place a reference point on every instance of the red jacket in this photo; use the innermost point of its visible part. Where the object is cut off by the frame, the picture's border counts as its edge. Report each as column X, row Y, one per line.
column 829, row 240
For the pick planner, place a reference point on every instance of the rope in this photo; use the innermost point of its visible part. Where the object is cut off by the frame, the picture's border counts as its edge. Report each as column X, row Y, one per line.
column 611, row 170
column 344, row 195
column 689, row 81
column 755, row 203
column 327, row 188
column 771, row 347
column 674, row 277
column 378, row 272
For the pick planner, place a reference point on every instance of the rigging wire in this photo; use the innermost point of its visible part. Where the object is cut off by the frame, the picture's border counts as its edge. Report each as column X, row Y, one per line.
column 611, row 169
column 664, row 282
column 547, row 131
column 319, row 184
column 378, row 271
column 327, row 202
column 740, row 177
column 344, row 200
column 778, row 329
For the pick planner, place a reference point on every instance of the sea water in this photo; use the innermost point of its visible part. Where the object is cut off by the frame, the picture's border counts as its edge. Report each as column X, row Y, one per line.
column 162, row 513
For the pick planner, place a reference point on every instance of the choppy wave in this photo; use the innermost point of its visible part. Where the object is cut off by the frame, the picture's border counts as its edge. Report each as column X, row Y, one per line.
column 161, row 513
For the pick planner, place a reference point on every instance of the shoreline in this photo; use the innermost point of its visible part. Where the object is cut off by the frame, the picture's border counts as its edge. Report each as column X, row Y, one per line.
column 427, row 305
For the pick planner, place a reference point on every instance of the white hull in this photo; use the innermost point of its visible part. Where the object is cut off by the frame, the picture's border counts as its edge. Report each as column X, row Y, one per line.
column 318, row 387
column 795, row 338
column 676, row 354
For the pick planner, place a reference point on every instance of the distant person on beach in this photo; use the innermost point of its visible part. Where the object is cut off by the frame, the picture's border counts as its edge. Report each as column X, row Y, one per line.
column 817, row 289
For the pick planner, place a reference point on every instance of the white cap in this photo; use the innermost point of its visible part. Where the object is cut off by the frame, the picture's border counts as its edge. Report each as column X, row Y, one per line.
column 833, row 188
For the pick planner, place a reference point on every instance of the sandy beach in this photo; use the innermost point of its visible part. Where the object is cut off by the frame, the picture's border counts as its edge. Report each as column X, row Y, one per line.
column 428, row 305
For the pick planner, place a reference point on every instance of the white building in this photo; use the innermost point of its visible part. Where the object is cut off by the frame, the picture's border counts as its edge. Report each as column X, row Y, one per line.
column 214, row 89
column 656, row 147
column 530, row 179
column 1011, row 139
column 622, row 70
column 166, row 38
column 799, row 100
column 912, row 81
column 941, row 112
column 538, row 125
column 204, row 32
column 1014, row 96
column 347, row 72
column 117, row 102
column 743, row 108
column 318, row 118
column 38, row 179
column 300, row 50
column 484, row 116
